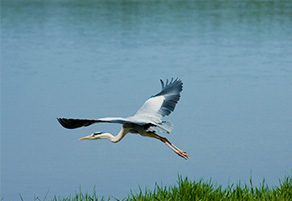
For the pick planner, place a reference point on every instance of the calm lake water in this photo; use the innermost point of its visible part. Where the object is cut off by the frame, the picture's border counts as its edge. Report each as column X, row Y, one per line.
column 90, row 59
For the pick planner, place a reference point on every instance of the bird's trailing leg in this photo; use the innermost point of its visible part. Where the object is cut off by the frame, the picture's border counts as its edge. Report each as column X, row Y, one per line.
column 174, row 148
column 170, row 145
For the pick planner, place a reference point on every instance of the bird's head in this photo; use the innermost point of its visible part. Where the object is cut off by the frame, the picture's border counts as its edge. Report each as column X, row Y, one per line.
column 93, row 136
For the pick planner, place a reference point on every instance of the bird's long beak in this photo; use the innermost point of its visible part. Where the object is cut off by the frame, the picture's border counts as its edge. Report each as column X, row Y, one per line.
column 85, row 138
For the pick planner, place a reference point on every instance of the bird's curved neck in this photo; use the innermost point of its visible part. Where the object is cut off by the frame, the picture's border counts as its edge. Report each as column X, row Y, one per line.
column 116, row 138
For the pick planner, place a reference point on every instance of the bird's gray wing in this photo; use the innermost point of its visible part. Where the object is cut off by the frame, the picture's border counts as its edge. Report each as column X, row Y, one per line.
column 163, row 103
column 76, row 123
column 151, row 112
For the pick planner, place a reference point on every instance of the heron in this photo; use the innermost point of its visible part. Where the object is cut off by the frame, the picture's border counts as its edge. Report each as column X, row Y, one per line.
column 147, row 121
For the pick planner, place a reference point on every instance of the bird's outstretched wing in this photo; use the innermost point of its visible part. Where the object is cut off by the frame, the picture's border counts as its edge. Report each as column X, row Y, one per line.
column 76, row 123
column 156, row 107
column 163, row 103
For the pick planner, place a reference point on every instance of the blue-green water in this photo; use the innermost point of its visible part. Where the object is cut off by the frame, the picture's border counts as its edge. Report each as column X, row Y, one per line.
column 90, row 59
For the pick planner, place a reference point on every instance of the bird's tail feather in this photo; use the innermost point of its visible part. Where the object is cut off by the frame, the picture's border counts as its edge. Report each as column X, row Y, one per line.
column 163, row 127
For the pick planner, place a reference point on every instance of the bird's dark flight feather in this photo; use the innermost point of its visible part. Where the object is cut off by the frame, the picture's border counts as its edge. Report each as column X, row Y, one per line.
column 171, row 91
column 75, row 123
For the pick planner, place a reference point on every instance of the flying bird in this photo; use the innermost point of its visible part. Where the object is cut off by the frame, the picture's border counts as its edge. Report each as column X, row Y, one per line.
column 147, row 121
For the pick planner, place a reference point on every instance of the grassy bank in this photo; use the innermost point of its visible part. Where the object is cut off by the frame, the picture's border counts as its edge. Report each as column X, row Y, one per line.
column 186, row 190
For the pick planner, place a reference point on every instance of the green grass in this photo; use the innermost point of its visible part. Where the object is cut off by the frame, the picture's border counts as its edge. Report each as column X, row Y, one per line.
column 186, row 190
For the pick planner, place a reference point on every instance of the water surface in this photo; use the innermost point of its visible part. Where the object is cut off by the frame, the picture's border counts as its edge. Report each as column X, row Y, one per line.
column 90, row 59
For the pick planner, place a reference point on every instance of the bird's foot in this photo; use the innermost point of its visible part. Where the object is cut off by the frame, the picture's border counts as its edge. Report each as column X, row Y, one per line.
column 178, row 151
column 183, row 154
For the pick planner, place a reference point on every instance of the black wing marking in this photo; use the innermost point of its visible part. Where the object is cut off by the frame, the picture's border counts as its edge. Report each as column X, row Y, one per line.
column 75, row 123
